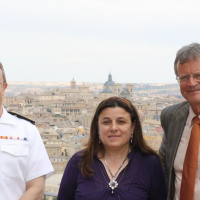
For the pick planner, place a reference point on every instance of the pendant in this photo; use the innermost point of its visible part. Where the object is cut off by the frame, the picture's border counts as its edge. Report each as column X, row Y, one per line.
column 113, row 184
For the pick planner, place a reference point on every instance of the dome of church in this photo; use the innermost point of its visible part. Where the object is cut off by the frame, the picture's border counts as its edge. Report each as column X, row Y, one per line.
column 107, row 90
column 109, row 82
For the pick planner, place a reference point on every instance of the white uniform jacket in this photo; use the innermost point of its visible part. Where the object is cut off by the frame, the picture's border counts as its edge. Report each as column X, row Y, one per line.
column 21, row 160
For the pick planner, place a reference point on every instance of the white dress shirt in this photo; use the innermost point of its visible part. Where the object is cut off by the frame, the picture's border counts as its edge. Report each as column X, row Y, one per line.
column 180, row 157
column 20, row 160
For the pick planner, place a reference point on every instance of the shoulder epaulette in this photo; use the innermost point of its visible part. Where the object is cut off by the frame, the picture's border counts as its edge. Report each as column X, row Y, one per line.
column 22, row 117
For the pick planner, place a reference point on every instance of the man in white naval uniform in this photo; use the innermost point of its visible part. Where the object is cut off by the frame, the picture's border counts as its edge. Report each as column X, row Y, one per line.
column 24, row 163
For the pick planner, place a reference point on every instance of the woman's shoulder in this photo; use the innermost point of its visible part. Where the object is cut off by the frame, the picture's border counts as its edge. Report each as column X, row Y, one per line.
column 148, row 159
column 151, row 161
column 77, row 155
column 75, row 159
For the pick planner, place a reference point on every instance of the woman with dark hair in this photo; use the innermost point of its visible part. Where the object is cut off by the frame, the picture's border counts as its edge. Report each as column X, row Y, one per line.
column 117, row 164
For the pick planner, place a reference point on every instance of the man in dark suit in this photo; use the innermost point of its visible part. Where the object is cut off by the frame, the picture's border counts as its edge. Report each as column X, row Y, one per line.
column 178, row 122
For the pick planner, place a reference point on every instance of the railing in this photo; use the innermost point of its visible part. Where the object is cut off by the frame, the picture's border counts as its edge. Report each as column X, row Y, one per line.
column 50, row 196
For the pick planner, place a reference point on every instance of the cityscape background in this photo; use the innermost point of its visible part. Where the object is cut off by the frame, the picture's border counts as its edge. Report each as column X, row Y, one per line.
column 63, row 112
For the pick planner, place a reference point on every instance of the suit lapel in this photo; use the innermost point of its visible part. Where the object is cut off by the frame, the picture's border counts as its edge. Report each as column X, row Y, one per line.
column 176, row 129
column 178, row 120
column 178, row 123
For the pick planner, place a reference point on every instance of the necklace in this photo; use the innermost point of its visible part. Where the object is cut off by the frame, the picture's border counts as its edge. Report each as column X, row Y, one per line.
column 113, row 183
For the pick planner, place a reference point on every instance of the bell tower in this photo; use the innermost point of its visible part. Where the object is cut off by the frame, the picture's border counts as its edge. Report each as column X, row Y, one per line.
column 73, row 84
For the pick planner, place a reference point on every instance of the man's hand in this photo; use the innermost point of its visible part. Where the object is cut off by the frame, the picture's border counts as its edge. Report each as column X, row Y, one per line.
column 34, row 189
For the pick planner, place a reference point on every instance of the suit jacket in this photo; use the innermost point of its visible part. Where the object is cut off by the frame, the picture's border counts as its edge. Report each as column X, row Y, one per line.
column 173, row 121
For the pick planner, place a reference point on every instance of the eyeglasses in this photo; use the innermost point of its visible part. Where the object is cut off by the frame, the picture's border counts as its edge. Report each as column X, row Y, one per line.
column 186, row 78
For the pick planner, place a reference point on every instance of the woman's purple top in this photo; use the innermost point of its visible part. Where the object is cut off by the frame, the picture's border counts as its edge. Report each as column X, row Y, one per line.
column 142, row 179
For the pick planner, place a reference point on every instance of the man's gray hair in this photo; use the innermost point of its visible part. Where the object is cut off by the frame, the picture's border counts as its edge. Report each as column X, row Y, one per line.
column 3, row 73
column 187, row 53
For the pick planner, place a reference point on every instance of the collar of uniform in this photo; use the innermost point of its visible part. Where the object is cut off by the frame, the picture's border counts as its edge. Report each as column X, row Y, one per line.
column 6, row 118
column 191, row 116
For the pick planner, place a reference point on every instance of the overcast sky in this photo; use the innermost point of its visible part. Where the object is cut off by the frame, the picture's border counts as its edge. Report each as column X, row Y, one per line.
column 55, row 40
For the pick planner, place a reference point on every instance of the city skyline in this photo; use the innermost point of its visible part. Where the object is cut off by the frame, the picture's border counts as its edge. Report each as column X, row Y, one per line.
column 54, row 41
